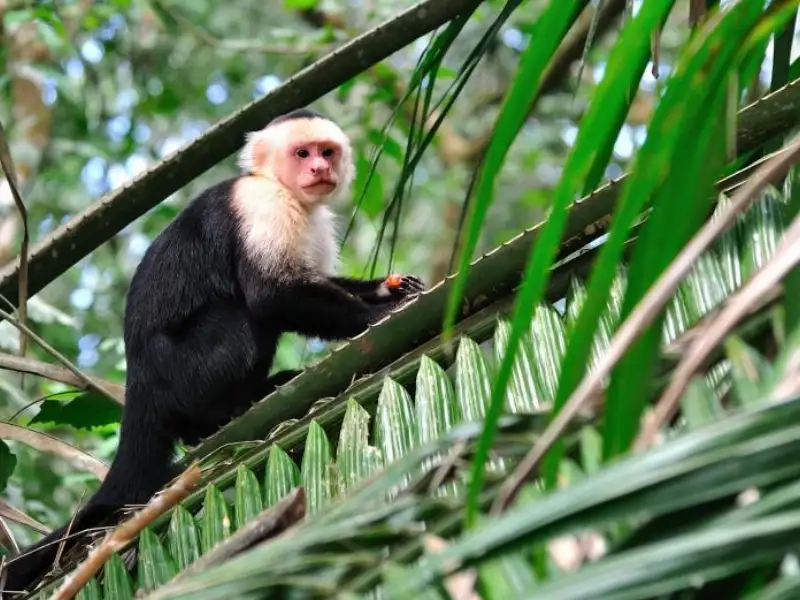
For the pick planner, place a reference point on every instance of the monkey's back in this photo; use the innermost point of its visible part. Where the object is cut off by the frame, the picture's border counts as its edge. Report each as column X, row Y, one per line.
column 190, row 264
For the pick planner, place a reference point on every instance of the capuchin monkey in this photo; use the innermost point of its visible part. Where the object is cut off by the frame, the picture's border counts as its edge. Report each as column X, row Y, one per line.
column 247, row 260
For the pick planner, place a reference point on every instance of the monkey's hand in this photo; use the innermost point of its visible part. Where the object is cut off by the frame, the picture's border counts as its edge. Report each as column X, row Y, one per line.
column 404, row 286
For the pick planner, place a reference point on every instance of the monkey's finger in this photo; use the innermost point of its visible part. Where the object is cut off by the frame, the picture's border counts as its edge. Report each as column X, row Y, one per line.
column 411, row 284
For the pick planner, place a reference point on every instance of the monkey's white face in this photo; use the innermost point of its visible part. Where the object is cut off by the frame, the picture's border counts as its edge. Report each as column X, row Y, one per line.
column 310, row 158
column 310, row 170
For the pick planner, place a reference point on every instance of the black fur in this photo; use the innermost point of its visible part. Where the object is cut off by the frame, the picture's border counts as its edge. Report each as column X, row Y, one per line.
column 201, row 328
column 300, row 113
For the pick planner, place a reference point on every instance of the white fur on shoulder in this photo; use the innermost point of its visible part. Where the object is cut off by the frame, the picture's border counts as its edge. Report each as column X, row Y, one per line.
column 278, row 232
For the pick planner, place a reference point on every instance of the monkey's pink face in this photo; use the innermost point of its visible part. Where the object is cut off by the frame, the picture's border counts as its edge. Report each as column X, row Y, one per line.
column 312, row 169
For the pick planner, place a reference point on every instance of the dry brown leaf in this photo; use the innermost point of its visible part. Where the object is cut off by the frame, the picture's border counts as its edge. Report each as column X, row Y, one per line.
column 7, row 539
column 460, row 585
column 569, row 552
column 51, row 445
column 56, row 373
column 14, row 514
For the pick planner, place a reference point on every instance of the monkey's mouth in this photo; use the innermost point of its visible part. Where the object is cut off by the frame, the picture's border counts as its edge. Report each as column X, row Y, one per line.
column 321, row 185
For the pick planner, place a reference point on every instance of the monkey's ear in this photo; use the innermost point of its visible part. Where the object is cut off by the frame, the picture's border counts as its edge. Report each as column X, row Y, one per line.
column 253, row 156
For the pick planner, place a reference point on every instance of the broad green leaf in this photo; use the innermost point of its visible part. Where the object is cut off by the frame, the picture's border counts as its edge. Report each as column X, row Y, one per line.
column 506, row 577
column 354, row 456
column 591, row 450
column 747, row 365
column 91, row 591
column 746, row 450
column 670, row 225
column 675, row 564
column 436, row 408
column 315, row 473
column 281, row 476
column 549, row 344
column 700, row 405
column 472, row 381
column 786, row 588
column 763, row 225
column 394, row 574
column 182, row 538
column 215, row 524
column 395, row 422
column 248, row 496
column 117, row 583
column 523, row 393
column 154, row 565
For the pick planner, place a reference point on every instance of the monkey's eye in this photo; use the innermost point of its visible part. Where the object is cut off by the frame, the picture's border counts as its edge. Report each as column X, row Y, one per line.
column 302, row 153
column 327, row 153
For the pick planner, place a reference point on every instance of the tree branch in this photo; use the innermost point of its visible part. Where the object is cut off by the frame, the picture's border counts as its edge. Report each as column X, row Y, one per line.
column 65, row 246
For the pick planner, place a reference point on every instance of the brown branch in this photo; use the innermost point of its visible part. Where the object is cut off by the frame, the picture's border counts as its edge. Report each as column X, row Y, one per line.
column 70, row 242
column 56, row 373
column 125, row 533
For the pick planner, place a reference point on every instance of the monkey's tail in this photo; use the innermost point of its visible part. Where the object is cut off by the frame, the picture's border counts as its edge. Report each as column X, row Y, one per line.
column 140, row 468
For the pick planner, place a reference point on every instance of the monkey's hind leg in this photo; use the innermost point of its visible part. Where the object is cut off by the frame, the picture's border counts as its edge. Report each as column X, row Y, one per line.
column 238, row 401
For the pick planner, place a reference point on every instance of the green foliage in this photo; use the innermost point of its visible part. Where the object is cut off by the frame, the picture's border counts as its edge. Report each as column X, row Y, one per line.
column 603, row 120
column 84, row 411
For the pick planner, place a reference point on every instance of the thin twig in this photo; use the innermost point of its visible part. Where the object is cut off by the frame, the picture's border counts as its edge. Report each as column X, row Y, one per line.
column 7, row 163
column 122, row 535
column 69, row 531
column 56, row 373
column 786, row 256
column 643, row 314
column 90, row 382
